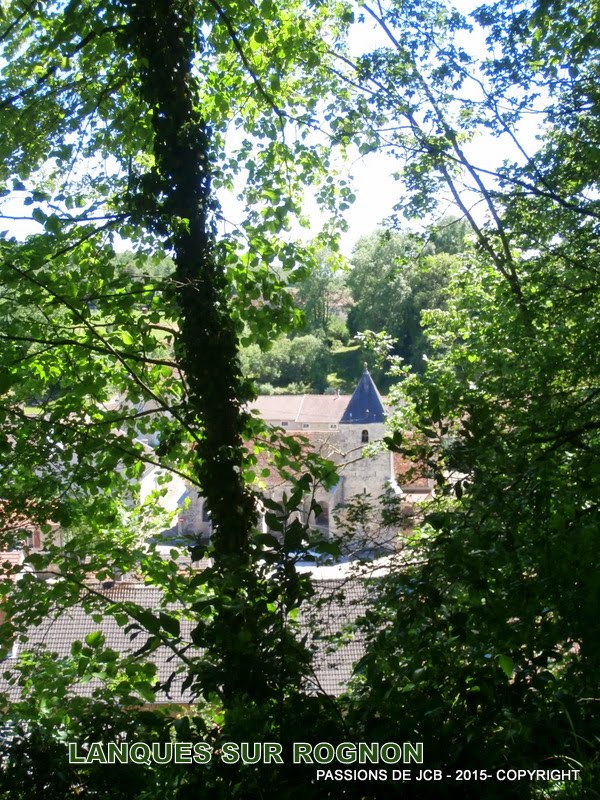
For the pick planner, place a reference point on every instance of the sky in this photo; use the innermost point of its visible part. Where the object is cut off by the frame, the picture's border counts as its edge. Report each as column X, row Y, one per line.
column 377, row 191
column 374, row 185
column 371, row 176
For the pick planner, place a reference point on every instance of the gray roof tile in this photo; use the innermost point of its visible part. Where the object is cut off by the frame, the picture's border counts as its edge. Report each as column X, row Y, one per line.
column 335, row 606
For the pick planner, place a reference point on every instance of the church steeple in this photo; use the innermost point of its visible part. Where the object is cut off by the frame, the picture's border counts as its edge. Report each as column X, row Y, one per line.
column 365, row 405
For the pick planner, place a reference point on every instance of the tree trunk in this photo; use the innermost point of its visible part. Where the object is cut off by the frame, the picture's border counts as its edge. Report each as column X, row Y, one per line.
column 179, row 194
column 165, row 37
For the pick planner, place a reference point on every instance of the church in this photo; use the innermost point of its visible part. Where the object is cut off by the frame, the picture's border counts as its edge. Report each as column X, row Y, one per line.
column 346, row 429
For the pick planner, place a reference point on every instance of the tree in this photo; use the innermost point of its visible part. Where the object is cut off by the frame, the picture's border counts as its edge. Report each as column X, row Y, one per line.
column 115, row 123
column 322, row 296
column 378, row 282
column 302, row 362
column 447, row 236
column 488, row 644
column 395, row 277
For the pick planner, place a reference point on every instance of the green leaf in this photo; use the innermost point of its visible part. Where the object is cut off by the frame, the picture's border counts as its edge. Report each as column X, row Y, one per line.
column 506, row 665
column 53, row 224
column 38, row 215
column 7, row 379
column 169, row 623
column 95, row 639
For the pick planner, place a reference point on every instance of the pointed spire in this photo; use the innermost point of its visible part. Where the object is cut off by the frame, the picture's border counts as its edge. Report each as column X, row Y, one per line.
column 365, row 405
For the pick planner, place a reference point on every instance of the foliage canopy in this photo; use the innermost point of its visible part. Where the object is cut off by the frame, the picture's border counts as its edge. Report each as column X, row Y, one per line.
column 121, row 118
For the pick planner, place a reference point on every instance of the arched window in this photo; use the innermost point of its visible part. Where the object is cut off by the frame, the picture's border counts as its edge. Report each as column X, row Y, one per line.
column 364, row 437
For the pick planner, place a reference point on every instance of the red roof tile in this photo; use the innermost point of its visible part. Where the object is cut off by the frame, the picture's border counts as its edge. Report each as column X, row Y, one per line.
column 410, row 476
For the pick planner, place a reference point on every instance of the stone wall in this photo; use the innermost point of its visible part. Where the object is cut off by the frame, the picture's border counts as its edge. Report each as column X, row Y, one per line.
column 366, row 466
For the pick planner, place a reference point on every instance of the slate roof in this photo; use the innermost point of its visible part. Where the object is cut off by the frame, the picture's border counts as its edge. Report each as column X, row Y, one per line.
column 365, row 405
column 336, row 604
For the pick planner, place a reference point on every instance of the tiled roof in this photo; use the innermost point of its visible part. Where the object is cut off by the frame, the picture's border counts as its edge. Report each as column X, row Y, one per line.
column 57, row 633
column 410, row 476
column 366, row 405
column 11, row 557
column 19, row 522
column 328, row 619
column 299, row 408
column 336, row 604
column 321, row 442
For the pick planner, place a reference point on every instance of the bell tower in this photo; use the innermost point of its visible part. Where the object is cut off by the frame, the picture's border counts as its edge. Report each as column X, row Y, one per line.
column 362, row 424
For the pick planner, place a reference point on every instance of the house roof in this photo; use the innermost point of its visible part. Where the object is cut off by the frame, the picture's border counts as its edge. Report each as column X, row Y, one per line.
column 327, row 618
column 365, row 405
column 299, row 408
column 321, row 442
column 362, row 407
column 336, row 603
column 410, row 476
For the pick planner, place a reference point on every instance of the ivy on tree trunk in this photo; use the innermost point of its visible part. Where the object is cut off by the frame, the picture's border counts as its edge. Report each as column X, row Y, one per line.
column 181, row 203
column 178, row 196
